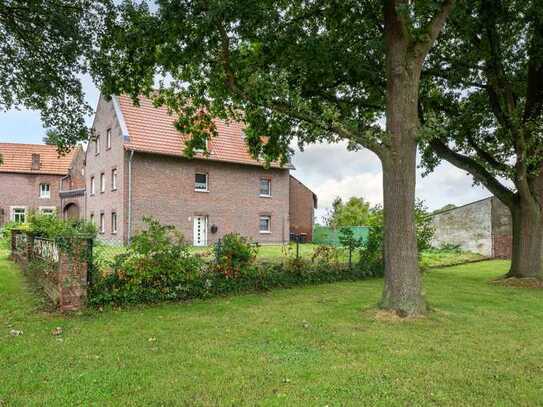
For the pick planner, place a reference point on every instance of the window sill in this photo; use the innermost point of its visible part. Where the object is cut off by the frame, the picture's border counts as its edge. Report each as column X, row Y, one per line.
column 265, row 196
column 113, row 189
column 201, row 190
column 265, row 232
column 45, row 197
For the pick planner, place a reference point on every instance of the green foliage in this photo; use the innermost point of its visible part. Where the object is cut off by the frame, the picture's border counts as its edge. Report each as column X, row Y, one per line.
column 156, row 266
column 355, row 212
column 234, row 253
column 45, row 49
column 372, row 253
column 348, row 240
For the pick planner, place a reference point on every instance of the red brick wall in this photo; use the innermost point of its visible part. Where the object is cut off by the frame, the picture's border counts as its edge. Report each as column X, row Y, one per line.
column 110, row 200
column 302, row 212
column 23, row 190
column 163, row 187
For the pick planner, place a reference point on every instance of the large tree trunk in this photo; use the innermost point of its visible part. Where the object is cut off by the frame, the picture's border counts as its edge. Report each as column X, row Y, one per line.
column 527, row 250
column 403, row 283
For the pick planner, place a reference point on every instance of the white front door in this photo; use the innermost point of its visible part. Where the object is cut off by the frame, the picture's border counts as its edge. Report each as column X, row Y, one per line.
column 200, row 231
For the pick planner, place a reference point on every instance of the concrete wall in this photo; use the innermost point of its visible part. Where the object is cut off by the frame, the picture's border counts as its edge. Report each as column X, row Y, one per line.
column 163, row 187
column 469, row 226
column 23, row 190
column 104, row 162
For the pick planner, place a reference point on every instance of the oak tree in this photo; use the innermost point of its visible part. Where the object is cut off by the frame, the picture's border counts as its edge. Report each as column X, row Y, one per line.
column 483, row 112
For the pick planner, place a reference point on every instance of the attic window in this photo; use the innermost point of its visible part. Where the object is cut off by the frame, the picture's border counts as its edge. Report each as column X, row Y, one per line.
column 108, row 139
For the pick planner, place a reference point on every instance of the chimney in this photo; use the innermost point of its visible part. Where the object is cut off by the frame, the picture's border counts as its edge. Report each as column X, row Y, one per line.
column 36, row 162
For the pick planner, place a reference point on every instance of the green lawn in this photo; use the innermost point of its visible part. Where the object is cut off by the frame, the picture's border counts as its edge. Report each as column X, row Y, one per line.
column 311, row 346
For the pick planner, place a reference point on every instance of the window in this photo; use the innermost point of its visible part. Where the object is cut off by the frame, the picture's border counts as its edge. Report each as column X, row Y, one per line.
column 102, row 223
column 265, row 187
column 102, row 182
column 108, row 139
column 47, row 210
column 97, row 145
column 113, row 222
column 265, row 224
column 114, row 179
column 200, row 182
column 201, row 150
column 92, row 186
column 92, row 219
column 45, row 191
column 18, row 215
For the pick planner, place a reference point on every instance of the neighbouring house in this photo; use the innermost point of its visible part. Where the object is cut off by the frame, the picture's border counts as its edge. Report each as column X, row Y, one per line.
column 303, row 203
column 484, row 227
column 135, row 167
column 30, row 179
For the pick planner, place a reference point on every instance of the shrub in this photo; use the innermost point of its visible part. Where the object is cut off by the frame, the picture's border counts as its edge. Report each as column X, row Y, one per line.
column 156, row 266
column 234, row 253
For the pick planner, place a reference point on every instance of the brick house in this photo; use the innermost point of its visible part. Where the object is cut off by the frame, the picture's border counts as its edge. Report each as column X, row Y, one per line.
column 135, row 167
column 303, row 203
column 30, row 179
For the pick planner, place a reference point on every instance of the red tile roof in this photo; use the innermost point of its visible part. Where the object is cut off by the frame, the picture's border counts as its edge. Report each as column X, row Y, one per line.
column 18, row 158
column 151, row 130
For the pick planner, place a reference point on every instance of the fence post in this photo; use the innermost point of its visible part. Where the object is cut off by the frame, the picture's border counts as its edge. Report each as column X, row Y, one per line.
column 297, row 247
column 218, row 250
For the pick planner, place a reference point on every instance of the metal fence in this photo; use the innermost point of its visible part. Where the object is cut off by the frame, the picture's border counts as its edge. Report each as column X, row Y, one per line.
column 45, row 249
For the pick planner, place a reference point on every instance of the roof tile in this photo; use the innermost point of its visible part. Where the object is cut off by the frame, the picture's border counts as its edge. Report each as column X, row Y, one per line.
column 18, row 158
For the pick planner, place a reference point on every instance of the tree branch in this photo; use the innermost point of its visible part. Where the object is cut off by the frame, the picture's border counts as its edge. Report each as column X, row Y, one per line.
column 466, row 163
column 433, row 28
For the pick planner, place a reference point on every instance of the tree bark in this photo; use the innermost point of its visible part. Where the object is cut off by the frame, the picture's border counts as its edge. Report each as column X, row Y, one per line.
column 403, row 281
column 527, row 250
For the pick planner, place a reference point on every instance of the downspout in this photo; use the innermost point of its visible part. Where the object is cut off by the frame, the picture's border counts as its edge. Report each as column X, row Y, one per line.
column 129, row 232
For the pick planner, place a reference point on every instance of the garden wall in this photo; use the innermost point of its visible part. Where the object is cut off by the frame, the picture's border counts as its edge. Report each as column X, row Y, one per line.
column 59, row 271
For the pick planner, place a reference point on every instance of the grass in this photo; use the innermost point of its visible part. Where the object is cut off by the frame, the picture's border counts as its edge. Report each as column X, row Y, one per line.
column 314, row 346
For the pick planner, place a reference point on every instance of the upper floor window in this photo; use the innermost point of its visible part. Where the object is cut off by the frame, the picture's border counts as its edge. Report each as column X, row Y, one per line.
column 265, row 187
column 265, row 224
column 200, row 182
column 92, row 186
column 45, row 191
column 97, row 144
column 18, row 215
column 108, row 139
column 102, row 182
column 114, row 179
column 102, row 223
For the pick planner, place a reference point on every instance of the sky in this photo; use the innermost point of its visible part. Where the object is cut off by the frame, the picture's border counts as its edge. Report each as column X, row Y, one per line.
column 327, row 169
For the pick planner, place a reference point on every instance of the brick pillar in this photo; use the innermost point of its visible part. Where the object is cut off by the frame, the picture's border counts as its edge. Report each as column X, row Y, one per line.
column 72, row 277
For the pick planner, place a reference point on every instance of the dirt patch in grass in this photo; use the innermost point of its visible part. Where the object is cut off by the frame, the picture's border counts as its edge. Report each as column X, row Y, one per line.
column 528, row 282
column 394, row 316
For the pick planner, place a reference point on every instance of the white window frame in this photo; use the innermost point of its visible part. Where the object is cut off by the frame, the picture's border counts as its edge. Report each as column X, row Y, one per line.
column 114, row 179
column 92, row 185
column 48, row 210
column 269, row 181
column 102, row 222
column 102, row 182
column 47, row 195
column 12, row 210
column 97, row 145
column 108, row 139
column 114, row 224
column 206, row 184
column 202, row 150
column 268, row 218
